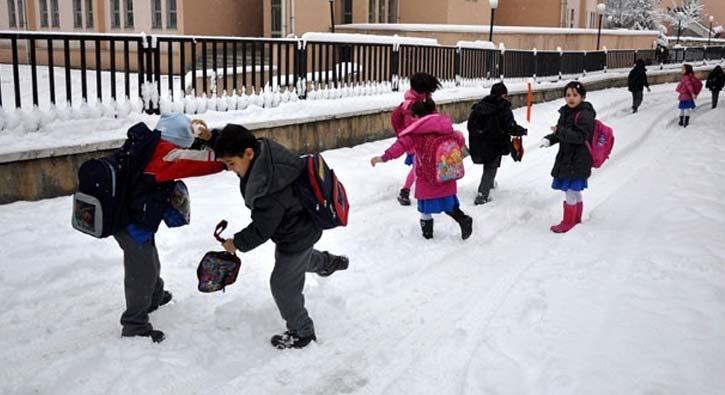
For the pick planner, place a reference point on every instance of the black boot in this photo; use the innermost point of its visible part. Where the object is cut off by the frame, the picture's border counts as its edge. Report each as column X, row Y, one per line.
column 427, row 226
column 290, row 339
column 334, row 263
column 464, row 221
column 634, row 110
column 682, row 120
column 165, row 298
column 687, row 120
column 481, row 199
column 155, row 335
column 404, row 197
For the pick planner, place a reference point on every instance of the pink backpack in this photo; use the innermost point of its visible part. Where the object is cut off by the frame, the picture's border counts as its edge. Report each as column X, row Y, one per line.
column 602, row 143
column 696, row 85
column 440, row 159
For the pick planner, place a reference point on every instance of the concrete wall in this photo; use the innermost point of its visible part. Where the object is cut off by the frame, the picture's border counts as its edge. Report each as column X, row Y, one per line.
column 52, row 173
column 524, row 13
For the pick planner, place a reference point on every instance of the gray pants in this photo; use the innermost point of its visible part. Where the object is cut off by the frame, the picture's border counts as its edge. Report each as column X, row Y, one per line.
column 143, row 286
column 489, row 176
column 636, row 99
column 287, row 282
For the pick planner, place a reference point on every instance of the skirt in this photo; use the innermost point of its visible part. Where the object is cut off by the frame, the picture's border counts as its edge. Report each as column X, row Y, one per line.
column 438, row 205
column 565, row 184
column 687, row 104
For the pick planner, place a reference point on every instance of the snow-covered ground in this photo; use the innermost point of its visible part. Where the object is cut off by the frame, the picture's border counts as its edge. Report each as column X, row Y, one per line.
column 630, row 302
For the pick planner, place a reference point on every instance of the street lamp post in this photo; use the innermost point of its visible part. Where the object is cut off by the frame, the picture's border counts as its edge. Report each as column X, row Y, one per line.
column 601, row 8
column 709, row 31
column 494, row 5
column 679, row 25
column 332, row 15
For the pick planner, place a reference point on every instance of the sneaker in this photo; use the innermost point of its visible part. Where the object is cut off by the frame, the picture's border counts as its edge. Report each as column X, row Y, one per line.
column 290, row 339
column 480, row 199
column 155, row 335
column 404, row 197
column 165, row 299
column 335, row 263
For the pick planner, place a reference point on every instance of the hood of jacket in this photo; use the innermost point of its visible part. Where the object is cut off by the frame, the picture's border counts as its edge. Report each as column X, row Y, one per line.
column 274, row 169
column 432, row 123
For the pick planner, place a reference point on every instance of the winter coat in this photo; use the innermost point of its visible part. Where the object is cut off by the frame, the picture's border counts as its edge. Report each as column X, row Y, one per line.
column 573, row 161
column 491, row 125
column 277, row 212
column 637, row 79
column 686, row 88
column 150, row 196
column 716, row 80
column 413, row 137
column 402, row 116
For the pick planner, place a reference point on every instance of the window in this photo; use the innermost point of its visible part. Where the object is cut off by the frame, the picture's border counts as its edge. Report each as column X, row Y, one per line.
column 156, row 14
column 371, row 11
column 77, row 14
column 43, row 13
column 115, row 14
column 276, row 25
column 347, row 11
column 381, row 11
column 393, row 11
column 21, row 14
column 171, row 14
column 55, row 13
column 129, row 13
column 89, row 13
column 12, row 21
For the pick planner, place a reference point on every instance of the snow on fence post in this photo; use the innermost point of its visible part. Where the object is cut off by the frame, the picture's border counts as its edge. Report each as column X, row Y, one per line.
column 502, row 49
column 536, row 64
column 561, row 61
column 301, row 66
column 584, row 65
column 394, row 66
column 457, row 66
column 605, row 59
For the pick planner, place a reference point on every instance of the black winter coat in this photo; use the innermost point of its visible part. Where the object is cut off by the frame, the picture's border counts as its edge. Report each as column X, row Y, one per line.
column 716, row 80
column 277, row 212
column 490, row 126
column 637, row 80
column 573, row 161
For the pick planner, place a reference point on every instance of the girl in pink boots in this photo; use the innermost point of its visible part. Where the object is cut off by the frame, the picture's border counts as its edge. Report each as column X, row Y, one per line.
column 422, row 86
column 438, row 164
column 573, row 164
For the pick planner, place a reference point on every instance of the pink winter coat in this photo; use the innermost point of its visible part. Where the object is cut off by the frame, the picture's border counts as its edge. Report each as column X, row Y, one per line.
column 402, row 116
column 415, row 135
column 686, row 88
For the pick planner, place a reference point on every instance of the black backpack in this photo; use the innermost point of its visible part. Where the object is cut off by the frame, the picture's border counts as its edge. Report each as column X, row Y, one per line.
column 104, row 184
column 322, row 194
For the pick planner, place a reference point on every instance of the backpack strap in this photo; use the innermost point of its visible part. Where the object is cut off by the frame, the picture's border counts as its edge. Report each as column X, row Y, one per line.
column 586, row 142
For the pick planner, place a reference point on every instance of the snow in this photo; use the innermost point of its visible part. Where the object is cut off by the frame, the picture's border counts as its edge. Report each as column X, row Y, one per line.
column 478, row 44
column 631, row 301
column 432, row 27
column 717, row 41
column 366, row 39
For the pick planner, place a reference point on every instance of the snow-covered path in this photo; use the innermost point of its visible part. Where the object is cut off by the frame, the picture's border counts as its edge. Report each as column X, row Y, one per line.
column 631, row 301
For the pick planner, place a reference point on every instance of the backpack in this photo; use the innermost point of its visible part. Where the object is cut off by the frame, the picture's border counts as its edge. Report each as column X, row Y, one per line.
column 601, row 144
column 440, row 159
column 217, row 269
column 99, row 205
column 322, row 194
column 696, row 85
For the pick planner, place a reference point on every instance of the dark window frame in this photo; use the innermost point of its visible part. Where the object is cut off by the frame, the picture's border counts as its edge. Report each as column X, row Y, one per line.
column 77, row 14
column 172, row 14
column 275, row 25
column 156, row 15
column 128, row 21
column 89, row 14
column 44, row 15
column 12, row 14
column 115, row 14
column 55, row 13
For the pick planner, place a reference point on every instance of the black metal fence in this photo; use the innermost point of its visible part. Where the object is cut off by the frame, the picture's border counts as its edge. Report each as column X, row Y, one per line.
column 127, row 65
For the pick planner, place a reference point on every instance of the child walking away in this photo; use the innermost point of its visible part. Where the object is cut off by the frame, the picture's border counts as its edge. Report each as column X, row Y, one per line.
column 573, row 164
column 715, row 83
column 422, row 85
column 150, row 202
column 688, row 89
column 267, row 173
column 438, row 164
column 636, row 82
column 490, row 127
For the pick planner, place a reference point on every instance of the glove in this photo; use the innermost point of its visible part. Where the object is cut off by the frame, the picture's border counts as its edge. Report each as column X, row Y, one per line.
column 648, row 89
column 545, row 143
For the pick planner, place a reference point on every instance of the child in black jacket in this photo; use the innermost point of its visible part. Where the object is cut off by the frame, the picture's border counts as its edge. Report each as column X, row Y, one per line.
column 636, row 83
column 715, row 83
column 267, row 173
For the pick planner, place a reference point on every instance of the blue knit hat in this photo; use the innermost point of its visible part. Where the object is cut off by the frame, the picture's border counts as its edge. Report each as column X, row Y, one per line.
column 176, row 129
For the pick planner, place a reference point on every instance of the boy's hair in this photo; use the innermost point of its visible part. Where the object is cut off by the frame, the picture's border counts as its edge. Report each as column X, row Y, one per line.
column 578, row 87
column 423, row 108
column 688, row 69
column 499, row 89
column 424, row 83
column 234, row 140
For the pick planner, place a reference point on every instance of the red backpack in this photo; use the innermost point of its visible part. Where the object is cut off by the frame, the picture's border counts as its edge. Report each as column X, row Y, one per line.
column 696, row 85
column 601, row 144
column 322, row 194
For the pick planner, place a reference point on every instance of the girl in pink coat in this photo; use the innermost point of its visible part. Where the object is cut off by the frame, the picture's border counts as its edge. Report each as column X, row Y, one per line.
column 688, row 89
column 422, row 85
column 433, row 197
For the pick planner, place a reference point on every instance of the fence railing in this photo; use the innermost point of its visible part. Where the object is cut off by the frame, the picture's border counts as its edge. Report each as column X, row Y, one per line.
column 147, row 67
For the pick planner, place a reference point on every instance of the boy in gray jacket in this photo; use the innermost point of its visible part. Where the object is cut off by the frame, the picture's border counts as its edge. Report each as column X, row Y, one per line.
column 267, row 172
